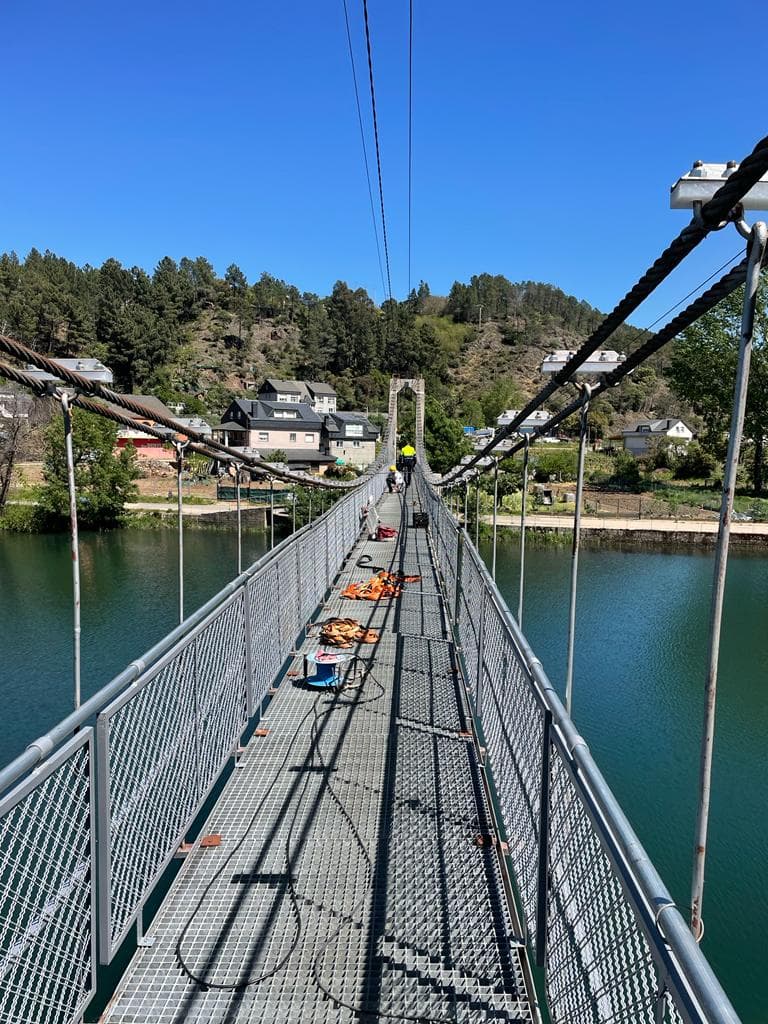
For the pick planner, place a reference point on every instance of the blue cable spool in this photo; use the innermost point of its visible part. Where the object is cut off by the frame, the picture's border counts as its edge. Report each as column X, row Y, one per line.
column 327, row 664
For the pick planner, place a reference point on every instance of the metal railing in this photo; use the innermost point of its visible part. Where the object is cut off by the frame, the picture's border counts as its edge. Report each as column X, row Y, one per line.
column 133, row 767
column 599, row 918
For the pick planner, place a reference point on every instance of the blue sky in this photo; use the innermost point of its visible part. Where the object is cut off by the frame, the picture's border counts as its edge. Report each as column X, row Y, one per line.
column 546, row 136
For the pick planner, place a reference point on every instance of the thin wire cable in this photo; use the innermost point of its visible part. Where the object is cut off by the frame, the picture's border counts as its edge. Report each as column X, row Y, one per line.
column 378, row 147
column 693, row 291
column 365, row 147
column 410, row 142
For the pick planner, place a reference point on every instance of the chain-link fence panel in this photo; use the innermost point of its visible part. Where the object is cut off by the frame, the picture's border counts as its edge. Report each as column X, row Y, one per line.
column 469, row 607
column 513, row 729
column 147, row 742
column 312, row 559
column 599, row 965
column 161, row 745
column 265, row 608
column 221, row 691
column 287, row 596
column 47, row 961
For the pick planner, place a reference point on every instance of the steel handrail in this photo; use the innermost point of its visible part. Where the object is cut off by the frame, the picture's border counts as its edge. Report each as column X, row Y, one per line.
column 672, row 941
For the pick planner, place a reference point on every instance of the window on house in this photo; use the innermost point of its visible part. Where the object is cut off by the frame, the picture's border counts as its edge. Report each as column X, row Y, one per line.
column 356, row 444
column 285, row 414
column 339, row 444
column 263, row 435
column 291, row 437
column 309, row 439
column 354, row 430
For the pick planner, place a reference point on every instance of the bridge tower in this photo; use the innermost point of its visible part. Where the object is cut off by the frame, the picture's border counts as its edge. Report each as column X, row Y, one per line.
column 396, row 385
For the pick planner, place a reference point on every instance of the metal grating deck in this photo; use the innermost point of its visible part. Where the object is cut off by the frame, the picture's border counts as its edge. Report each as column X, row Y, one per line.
column 349, row 883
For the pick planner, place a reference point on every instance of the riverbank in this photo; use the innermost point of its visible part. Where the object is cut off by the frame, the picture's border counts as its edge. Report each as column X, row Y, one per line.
column 642, row 532
column 19, row 516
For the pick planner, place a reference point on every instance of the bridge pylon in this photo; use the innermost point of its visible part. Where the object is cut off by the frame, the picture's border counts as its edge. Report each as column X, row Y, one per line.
column 416, row 385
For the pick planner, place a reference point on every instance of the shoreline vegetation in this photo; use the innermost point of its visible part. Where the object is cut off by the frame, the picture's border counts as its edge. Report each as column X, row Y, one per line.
column 677, row 536
column 554, row 531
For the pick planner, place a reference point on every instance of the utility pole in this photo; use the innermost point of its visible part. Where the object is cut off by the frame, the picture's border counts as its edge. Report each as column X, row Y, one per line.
column 480, row 317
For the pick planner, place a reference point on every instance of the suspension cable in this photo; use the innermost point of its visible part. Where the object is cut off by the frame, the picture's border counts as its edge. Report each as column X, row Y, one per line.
column 214, row 449
column 712, row 216
column 378, row 148
column 728, row 284
column 364, row 145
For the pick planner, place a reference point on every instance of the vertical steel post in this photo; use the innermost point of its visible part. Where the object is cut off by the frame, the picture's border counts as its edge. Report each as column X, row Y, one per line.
column 466, row 501
column 756, row 253
column 239, row 522
column 584, row 425
column 249, row 653
column 271, row 514
column 180, row 446
column 480, row 659
column 477, row 512
column 74, row 543
column 542, row 887
column 526, row 455
column 459, row 561
column 310, row 506
column 495, row 504
column 293, row 512
column 299, row 596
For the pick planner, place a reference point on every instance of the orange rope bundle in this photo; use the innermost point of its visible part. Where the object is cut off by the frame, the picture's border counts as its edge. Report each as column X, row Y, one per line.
column 345, row 632
column 383, row 585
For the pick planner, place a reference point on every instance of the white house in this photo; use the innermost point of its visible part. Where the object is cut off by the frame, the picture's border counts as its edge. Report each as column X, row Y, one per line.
column 638, row 439
column 350, row 436
column 320, row 397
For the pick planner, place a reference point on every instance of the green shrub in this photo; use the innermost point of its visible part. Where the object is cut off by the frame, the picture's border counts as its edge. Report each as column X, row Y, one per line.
column 695, row 463
column 25, row 519
column 626, row 471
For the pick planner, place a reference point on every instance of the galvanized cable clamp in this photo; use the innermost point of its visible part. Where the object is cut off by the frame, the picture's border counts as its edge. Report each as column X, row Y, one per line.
column 699, row 222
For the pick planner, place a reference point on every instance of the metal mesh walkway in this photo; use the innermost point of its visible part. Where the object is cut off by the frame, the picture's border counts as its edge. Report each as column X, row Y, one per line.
column 356, row 876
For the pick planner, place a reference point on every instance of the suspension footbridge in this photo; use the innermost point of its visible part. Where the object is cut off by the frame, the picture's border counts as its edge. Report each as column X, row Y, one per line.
column 428, row 840
column 407, row 846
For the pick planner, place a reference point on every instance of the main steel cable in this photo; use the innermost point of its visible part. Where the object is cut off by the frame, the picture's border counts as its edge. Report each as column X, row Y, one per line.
column 378, row 147
column 410, row 139
column 724, row 287
column 86, row 386
column 364, row 145
column 710, row 218
column 26, row 380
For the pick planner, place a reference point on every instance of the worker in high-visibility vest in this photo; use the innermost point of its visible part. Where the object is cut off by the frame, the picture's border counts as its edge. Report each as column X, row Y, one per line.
column 407, row 462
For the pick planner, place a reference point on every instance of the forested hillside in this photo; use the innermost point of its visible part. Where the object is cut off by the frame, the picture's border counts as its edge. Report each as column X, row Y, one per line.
column 186, row 334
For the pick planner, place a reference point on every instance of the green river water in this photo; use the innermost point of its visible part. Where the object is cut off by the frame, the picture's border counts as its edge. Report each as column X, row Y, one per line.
column 638, row 690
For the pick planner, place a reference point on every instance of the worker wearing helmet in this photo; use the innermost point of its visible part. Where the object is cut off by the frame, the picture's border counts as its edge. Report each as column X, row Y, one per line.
column 407, row 462
column 392, row 479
